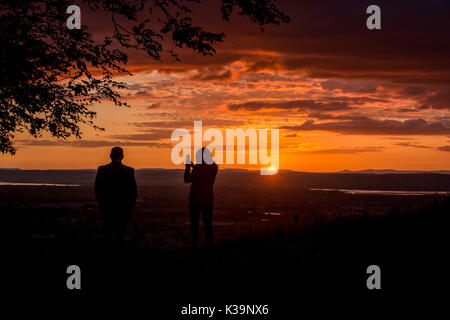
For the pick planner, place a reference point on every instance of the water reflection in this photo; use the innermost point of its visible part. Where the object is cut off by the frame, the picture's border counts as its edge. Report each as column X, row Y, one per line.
column 2, row 183
column 272, row 213
column 384, row 192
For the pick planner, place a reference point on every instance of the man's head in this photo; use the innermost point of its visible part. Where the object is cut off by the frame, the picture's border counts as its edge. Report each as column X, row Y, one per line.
column 116, row 154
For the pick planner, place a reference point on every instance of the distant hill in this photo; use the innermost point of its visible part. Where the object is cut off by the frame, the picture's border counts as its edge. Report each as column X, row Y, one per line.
column 390, row 171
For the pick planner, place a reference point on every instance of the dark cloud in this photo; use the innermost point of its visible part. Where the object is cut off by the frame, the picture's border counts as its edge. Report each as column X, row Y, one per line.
column 327, row 104
column 262, row 64
column 405, row 110
column 370, row 126
column 294, row 104
column 414, row 145
column 444, row 148
column 154, row 106
column 92, row 143
column 144, row 93
column 327, row 116
column 143, row 126
column 344, row 150
column 350, row 86
column 293, row 135
column 189, row 123
column 439, row 99
column 227, row 75
column 399, row 138
column 147, row 136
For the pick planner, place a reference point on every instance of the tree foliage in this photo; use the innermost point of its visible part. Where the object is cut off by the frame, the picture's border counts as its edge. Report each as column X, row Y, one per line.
column 50, row 76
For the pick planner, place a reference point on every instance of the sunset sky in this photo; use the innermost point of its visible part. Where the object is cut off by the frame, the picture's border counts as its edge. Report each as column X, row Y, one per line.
column 343, row 96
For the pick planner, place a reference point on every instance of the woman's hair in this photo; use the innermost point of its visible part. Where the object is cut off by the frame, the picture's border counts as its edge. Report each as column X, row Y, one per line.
column 203, row 156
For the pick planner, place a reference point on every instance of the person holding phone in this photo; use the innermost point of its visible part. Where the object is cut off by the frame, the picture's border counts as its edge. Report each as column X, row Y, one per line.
column 201, row 196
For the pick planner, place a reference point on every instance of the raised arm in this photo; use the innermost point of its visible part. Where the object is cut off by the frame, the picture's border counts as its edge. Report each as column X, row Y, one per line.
column 187, row 174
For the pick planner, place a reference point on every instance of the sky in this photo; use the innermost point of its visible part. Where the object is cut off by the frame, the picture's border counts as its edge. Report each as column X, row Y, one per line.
column 342, row 96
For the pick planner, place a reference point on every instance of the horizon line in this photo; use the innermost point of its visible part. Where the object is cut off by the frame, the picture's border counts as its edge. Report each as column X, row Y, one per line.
column 252, row 170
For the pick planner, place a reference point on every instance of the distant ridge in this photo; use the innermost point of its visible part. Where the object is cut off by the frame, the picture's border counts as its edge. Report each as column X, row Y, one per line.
column 345, row 171
column 247, row 180
column 391, row 171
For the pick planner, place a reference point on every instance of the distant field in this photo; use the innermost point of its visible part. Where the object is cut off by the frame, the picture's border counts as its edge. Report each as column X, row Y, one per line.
column 232, row 178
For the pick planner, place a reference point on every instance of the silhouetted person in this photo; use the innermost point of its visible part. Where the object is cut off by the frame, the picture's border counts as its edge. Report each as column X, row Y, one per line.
column 115, row 189
column 201, row 197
